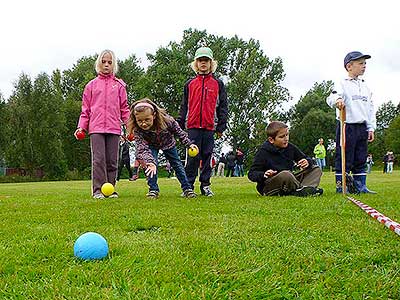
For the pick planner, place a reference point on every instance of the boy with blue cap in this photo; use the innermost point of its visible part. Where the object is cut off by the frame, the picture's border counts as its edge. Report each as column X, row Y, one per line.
column 353, row 95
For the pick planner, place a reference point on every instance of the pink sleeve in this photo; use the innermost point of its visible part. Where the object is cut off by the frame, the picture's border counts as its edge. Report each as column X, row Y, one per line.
column 86, row 100
column 125, row 112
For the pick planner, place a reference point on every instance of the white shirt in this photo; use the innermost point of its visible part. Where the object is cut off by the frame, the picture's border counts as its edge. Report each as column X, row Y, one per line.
column 358, row 101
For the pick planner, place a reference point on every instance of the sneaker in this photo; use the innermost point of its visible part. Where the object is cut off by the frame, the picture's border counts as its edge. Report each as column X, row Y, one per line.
column 98, row 196
column 189, row 194
column 114, row 195
column 152, row 195
column 206, row 191
column 134, row 177
column 306, row 191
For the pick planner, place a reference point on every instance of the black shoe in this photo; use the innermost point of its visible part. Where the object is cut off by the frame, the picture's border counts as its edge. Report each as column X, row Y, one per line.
column 306, row 191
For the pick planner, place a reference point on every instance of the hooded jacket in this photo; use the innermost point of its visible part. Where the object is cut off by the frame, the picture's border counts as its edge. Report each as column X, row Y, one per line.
column 204, row 104
column 104, row 105
column 269, row 157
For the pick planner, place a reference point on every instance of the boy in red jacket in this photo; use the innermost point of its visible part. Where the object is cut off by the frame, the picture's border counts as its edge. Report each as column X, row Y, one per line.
column 203, row 113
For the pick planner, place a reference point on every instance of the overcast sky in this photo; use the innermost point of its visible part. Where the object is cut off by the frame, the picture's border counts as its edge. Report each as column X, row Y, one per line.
column 312, row 37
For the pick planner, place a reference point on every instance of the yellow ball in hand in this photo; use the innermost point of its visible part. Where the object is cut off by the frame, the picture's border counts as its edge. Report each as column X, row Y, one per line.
column 193, row 152
column 107, row 189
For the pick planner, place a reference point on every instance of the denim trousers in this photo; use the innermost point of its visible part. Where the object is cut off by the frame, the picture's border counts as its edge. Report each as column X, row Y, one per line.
column 320, row 162
column 173, row 157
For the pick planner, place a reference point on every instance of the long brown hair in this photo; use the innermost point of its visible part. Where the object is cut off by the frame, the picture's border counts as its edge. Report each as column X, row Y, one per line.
column 160, row 115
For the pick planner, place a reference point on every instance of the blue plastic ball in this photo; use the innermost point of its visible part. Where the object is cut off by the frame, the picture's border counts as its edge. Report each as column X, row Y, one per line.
column 90, row 245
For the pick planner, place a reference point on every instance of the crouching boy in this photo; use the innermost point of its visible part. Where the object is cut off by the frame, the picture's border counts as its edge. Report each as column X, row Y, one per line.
column 274, row 164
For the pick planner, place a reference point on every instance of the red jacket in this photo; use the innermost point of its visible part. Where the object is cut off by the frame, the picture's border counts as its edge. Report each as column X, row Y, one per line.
column 204, row 104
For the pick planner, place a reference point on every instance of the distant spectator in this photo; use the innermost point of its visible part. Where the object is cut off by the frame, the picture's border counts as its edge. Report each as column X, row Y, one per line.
column 230, row 164
column 213, row 163
column 239, row 162
column 124, row 159
column 385, row 162
column 320, row 153
column 370, row 162
column 221, row 165
column 390, row 161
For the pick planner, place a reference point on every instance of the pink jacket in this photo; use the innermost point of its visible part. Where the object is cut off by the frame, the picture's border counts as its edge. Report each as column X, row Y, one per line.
column 104, row 105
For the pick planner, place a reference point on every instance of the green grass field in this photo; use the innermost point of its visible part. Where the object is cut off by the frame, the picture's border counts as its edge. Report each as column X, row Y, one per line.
column 237, row 245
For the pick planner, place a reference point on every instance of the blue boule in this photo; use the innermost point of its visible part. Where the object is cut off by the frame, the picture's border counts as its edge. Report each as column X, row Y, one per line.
column 91, row 245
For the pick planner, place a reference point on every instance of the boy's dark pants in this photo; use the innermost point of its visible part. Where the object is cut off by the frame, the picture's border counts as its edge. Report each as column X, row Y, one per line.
column 104, row 149
column 285, row 182
column 356, row 149
column 204, row 139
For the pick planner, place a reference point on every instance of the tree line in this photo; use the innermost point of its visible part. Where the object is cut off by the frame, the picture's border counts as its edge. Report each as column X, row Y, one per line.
column 39, row 118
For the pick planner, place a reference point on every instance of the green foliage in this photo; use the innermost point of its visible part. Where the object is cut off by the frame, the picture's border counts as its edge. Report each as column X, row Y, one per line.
column 49, row 124
column 75, row 79
column 20, row 150
column 131, row 73
column 315, row 124
column 385, row 114
column 4, row 129
column 311, row 118
column 169, row 70
column 236, row 245
column 392, row 137
column 254, row 91
column 37, row 122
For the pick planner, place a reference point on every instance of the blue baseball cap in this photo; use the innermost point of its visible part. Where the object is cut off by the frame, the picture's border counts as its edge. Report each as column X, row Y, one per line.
column 354, row 55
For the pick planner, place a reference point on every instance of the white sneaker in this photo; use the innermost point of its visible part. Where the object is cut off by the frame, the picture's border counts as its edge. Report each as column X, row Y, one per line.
column 98, row 196
column 206, row 191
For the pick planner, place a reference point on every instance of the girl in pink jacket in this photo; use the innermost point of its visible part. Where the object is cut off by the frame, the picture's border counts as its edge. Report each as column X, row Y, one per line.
column 104, row 108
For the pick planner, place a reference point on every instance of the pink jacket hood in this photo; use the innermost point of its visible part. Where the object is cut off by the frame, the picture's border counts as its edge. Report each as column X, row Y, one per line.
column 104, row 105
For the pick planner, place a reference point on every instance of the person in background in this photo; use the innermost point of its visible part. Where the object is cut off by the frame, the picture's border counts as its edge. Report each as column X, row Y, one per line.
column 385, row 161
column 221, row 165
column 239, row 169
column 230, row 164
column 320, row 153
column 370, row 163
column 390, row 162
column 124, row 159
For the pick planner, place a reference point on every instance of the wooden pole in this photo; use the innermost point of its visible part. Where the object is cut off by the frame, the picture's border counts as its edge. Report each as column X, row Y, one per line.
column 343, row 148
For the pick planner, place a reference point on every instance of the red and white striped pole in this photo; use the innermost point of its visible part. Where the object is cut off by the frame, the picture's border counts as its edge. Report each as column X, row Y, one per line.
column 389, row 223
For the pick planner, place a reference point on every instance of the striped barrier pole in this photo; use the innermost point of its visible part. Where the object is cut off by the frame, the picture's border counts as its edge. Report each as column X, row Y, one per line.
column 389, row 223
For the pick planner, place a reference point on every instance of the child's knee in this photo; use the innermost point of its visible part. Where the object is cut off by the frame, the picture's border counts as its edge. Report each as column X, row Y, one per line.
column 286, row 176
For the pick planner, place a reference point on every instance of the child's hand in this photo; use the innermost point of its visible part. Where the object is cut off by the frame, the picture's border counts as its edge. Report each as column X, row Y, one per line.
column 302, row 163
column 269, row 173
column 194, row 147
column 150, row 170
column 340, row 103
column 79, row 133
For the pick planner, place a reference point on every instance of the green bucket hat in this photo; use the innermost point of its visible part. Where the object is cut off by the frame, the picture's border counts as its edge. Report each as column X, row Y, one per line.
column 203, row 52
